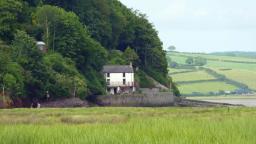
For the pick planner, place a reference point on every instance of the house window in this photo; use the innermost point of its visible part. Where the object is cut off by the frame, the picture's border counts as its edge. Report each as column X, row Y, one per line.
column 124, row 81
column 108, row 81
column 123, row 74
column 108, row 74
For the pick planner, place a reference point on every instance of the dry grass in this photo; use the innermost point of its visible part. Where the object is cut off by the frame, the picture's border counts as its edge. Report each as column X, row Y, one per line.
column 81, row 119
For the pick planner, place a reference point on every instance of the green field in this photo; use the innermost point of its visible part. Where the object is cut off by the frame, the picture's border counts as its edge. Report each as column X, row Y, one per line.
column 244, row 76
column 232, row 67
column 205, row 87
column 171, row 70
column 221, row 65
column 178, row 59
column 192, row 76
column 128, row 126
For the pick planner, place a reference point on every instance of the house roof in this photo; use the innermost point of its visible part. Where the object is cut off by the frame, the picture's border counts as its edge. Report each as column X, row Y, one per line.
column 117, row 69
column 40, row 43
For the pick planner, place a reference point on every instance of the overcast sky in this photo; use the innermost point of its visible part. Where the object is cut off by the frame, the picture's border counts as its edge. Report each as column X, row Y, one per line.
column 202, row 25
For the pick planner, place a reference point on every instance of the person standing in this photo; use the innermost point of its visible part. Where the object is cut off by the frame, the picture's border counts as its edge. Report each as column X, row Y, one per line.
column 47, row 95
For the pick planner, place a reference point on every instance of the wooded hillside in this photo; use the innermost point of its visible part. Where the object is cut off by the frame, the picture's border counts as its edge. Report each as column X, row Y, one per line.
column 81, row 36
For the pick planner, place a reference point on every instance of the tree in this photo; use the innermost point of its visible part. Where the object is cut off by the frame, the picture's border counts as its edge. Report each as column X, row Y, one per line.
column 14, row 80
column 142, row 37
column 9, row 81
column 199, row 61
column 4, row 56
column 25, row 51
column 116, row 57
column 34, row 2
column 66, row 80
column 174, row 88
column 11, row 74
column 190, row 60
column 130, row 55
column 103, row 18
column 171, row 48
column 29, row 57
column 76, row 44
column 116, row 27
column 9, row 12
column 47, row 17
column 86, row 34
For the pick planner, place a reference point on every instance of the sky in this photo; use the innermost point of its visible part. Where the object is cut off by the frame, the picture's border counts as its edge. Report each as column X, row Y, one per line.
column 202, row 25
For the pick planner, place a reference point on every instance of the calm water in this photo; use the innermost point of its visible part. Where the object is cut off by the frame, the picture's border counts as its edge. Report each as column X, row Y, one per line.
column 245, row 102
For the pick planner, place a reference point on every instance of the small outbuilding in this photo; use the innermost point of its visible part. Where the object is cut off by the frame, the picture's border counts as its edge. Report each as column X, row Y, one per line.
column 41, row 46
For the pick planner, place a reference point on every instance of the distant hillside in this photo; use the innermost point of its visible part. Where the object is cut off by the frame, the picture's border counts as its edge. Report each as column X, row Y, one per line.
column 236, row 54
column 220, row 74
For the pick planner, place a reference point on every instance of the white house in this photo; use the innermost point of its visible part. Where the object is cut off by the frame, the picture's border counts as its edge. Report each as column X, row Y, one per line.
column 119, row 78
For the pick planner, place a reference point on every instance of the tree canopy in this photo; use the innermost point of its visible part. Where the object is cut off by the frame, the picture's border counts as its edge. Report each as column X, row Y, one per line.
column 81, row 37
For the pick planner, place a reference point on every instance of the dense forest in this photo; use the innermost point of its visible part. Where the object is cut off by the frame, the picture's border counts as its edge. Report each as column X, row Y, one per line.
column 81, row 37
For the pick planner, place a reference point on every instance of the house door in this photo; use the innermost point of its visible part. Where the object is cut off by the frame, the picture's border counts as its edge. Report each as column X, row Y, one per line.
column 115, row 90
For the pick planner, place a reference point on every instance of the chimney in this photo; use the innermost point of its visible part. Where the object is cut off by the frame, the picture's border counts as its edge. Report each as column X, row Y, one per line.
column 131, row 64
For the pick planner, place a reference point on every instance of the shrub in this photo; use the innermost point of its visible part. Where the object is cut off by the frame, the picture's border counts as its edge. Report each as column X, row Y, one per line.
column 174, row 88
column 143, row 80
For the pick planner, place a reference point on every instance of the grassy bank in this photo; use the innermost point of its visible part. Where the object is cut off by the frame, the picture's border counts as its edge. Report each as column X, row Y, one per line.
column 128, row 125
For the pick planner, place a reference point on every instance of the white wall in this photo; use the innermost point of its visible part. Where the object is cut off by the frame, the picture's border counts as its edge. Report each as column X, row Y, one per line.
column 116, row 79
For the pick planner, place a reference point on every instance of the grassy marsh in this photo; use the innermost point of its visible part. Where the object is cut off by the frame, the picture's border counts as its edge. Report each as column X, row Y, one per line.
column 128, row 125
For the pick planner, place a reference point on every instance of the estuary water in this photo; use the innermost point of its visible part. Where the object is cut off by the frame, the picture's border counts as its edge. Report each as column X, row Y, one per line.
column 245, row 102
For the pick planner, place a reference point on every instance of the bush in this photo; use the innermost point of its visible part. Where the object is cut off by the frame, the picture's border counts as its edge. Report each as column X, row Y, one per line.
column 66, row 81
column 143, row 80
column 158, row 76
column 199, row 61
column 190, row 61
column 96, row 81
column 115, row 57
column 174, row 88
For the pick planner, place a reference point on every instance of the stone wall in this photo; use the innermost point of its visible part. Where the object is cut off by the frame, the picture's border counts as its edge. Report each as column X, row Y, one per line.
column 137, row 100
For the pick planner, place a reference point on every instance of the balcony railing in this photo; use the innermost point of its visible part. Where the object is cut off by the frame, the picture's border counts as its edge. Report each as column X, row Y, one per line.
column 121, row 84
